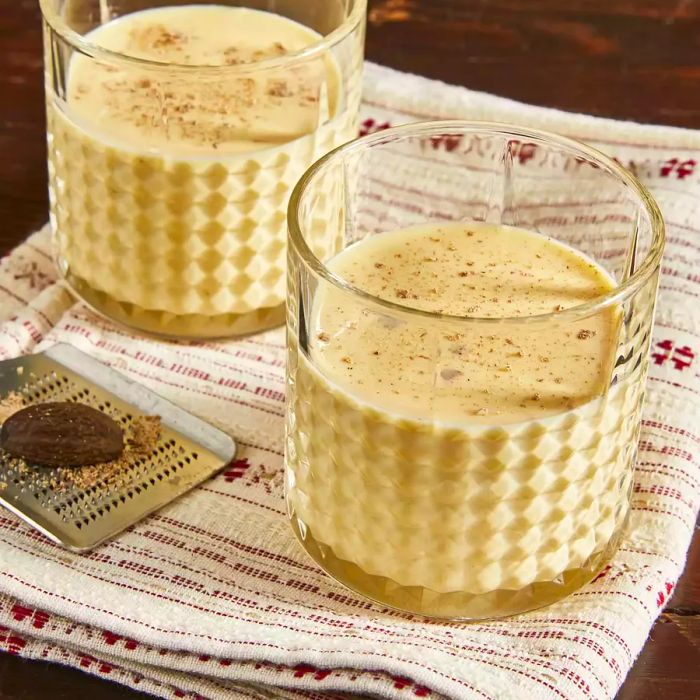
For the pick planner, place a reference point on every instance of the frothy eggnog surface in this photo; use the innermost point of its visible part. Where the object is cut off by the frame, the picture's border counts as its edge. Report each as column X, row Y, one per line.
column 190, row 115
column 171, row 165
column 484, row 373
column 460, row 467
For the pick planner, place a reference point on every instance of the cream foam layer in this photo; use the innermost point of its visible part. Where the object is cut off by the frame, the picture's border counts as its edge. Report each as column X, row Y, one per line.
column 487, row 373
column 198, row 112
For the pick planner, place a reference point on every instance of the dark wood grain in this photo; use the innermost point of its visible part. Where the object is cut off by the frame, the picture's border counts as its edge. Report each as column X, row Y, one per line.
column 33, row 680
column 628, row 59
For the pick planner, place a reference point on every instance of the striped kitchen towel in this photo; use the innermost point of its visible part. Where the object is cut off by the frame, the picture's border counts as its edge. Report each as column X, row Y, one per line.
column 211, row 597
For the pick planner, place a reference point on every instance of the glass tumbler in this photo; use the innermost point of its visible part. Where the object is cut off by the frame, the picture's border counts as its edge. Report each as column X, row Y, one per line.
column 402, row 482
column 176, row 132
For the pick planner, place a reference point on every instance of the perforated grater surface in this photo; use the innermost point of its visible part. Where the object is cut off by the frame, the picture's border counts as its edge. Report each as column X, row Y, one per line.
column 188, row 452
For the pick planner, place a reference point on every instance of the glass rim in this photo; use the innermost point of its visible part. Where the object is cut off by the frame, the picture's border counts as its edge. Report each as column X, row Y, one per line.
column 615, row 296
column 58, row 25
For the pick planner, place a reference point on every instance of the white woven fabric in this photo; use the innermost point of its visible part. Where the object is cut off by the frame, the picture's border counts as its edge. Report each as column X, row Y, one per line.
column 212, row 597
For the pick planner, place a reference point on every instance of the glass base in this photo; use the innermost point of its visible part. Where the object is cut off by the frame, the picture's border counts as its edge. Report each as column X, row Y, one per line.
column 176, row 326
column 455, row 605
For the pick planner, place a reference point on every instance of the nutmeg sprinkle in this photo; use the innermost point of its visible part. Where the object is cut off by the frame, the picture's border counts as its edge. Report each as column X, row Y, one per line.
column 232, row 112
column 497, row 373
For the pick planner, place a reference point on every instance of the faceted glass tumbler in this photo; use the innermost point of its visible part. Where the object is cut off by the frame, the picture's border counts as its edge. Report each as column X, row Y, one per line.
column 469, row 519
column 179, row 240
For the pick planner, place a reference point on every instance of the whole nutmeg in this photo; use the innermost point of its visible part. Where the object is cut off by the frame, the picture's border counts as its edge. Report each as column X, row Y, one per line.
column 62, row 434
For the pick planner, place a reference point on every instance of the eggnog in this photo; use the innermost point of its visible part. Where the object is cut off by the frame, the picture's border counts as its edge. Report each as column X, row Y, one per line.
column 460, row 467
column 169, row 185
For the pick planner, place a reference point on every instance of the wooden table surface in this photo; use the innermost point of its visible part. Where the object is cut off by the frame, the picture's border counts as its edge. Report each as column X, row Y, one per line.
column 630, row 59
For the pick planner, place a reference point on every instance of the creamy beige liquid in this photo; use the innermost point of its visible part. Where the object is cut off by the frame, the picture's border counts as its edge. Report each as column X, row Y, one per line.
column 486, row 374
column 467, row 469
column 169, row 187
column 182, row 114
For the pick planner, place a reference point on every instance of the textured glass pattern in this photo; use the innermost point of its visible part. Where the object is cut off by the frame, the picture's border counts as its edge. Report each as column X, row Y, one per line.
column 181, row 245
column 473, row 519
